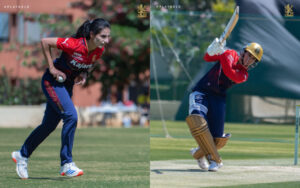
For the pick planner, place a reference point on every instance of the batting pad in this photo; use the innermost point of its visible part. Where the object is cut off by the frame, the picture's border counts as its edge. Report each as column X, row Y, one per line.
column 198, row 154
column 199, row 129
column 220, row 143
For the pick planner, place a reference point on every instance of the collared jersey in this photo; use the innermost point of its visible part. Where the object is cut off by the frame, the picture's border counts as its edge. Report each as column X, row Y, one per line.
column 223, row 75
column 75, row 58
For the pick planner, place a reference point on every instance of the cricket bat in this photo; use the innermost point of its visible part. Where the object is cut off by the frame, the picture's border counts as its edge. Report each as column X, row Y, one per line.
column 231, row 24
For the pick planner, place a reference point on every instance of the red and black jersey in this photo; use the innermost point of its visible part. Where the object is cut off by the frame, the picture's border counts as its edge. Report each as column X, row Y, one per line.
column 222, row 75
column 75, row 57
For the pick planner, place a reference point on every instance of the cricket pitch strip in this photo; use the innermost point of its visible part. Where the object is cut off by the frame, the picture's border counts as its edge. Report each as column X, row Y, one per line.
column 186, row 173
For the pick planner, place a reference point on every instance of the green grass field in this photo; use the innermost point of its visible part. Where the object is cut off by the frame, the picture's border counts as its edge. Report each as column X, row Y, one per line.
column 109, row 157
column 268, row 185
column 247, row 142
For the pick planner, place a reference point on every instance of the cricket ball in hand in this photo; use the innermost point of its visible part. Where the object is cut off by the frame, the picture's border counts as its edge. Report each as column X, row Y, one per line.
column 60, row 79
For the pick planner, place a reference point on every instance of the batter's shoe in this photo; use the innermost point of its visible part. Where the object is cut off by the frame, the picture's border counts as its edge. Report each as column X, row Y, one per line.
column 70, row 170
column 214, row 166
column 202, row 162
column 21, row 166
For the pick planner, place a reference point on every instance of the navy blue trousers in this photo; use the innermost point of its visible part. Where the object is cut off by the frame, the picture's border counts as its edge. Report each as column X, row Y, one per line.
column 212, row 108
column 59, row 106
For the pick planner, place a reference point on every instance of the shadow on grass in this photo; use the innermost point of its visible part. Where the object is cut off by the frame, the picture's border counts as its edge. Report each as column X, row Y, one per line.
column 160, row 171
column 50, row 178
column 43, row 178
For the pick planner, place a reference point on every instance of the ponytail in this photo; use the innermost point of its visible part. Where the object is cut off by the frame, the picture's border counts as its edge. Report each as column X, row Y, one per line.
column 83, row 30
column 94, row 26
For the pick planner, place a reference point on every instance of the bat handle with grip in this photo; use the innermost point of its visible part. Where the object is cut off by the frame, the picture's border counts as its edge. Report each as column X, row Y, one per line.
column 221, row 41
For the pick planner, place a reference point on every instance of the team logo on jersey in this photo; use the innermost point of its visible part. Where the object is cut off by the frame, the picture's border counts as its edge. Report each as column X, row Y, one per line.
column 65, row 41
column 77, row 56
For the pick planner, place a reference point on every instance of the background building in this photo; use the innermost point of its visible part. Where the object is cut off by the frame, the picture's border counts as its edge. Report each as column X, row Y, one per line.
column 120, row 77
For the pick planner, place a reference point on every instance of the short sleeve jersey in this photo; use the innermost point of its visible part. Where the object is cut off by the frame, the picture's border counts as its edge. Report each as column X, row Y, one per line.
column 75, row 57
column 223, row 75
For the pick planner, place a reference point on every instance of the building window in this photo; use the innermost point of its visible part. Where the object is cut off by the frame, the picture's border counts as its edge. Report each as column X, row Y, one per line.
column 4, row 27
column 30, row 30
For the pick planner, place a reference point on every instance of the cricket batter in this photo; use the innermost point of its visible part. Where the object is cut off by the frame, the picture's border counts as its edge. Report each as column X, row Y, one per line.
column 79, row 53
column 207, row 100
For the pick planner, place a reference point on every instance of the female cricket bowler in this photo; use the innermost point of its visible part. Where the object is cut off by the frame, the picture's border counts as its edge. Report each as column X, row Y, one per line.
column 79, row 53
column 207, row 100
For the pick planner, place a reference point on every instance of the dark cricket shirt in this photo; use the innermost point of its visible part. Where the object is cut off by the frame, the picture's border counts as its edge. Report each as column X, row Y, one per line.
column 223, row 75
column 75, row 58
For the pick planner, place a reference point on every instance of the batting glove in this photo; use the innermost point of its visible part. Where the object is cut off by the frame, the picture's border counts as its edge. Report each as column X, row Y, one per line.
column 216, row 47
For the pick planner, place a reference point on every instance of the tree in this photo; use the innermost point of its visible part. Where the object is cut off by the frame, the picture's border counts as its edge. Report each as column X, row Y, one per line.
column 129, row 50
column 184, row 35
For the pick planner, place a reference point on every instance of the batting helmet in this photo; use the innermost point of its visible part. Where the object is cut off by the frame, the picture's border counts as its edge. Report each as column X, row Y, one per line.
column 255, row 49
